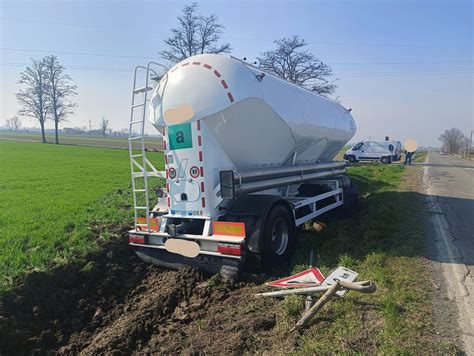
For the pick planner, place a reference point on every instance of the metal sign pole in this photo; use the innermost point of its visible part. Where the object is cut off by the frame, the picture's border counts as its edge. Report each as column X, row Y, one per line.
column 309, row 298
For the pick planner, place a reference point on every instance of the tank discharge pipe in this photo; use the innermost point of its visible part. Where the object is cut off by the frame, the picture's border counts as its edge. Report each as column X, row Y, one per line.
column 277, row 172
column 235, row 185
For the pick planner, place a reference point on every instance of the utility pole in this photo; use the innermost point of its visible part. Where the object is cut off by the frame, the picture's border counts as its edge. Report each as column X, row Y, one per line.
column 470, row 146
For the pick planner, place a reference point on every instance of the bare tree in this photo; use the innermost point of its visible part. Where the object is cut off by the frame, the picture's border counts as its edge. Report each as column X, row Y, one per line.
column 59, row 90
column 453, row 140
column 104, row 125
column 297, row 65
column 195, row 34
column 8, row 124
column 33, row 99
column 15, row 123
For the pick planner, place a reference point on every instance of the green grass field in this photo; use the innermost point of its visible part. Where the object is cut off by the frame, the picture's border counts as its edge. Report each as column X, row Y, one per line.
column 109, row 141
column 49, row 197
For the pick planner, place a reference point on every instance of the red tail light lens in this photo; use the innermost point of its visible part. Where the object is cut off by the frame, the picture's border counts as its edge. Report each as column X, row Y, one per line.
column 136, row 239
column 230, row 249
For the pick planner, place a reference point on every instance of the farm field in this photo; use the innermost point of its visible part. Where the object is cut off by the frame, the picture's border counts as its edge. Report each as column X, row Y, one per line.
column 63, row 221
column 152, row 143
column 49, row 194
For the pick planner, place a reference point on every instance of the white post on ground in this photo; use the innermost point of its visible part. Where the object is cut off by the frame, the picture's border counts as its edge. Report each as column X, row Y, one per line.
column 309, row 298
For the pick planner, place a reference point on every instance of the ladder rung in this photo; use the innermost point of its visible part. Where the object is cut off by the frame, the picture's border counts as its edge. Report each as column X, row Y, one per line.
column 141, row 207
column 141, row 224
column 139, row 190
column 136, row 121
column 142, row 90
column 135, row 138
column 137, row 105
column 137, row 155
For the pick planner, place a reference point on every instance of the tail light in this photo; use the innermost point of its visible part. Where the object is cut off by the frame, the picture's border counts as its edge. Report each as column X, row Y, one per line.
column 230, row 249
column 136, row 239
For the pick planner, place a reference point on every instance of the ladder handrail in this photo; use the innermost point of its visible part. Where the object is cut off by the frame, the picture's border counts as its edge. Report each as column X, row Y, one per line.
column 133, row 139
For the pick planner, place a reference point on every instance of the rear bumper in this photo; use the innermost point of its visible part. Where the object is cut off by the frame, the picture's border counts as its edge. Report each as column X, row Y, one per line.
column 211, row 248
column 163, row 258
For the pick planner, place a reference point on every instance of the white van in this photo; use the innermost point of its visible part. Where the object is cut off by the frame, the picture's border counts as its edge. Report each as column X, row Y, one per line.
column 383, row 151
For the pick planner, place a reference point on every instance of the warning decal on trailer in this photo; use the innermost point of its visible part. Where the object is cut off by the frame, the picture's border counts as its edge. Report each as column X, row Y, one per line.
column 309, row 278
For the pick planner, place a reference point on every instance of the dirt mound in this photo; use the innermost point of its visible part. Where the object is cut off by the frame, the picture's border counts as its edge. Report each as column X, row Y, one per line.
column 116, row 304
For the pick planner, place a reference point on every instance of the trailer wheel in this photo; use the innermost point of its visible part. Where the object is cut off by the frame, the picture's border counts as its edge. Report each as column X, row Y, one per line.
column 279, row 236
column 230, row 273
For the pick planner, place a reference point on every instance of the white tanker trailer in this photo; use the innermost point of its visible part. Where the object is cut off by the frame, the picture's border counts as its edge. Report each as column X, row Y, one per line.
column 247, row 158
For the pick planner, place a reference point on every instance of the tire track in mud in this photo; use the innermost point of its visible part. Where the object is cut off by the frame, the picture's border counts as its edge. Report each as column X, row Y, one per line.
column 114, row 304
column 143, row 314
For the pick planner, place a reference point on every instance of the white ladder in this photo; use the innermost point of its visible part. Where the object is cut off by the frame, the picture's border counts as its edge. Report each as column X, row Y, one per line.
column 141, row 167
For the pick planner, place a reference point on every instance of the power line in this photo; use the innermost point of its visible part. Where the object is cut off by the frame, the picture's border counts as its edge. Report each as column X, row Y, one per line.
column 121, row 27
column 388, row 74
column 414, row 62
column 129, row 70
column 104, row 69
column 148, row 58
column 74, row 53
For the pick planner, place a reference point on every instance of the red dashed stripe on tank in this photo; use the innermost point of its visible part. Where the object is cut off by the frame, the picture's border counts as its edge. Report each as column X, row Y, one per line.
column 216, row 73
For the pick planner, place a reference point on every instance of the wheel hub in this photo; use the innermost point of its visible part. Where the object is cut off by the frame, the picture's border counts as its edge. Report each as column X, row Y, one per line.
column 280, row 236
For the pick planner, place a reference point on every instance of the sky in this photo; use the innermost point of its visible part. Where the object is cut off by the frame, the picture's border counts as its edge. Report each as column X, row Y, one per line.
column 406, row 68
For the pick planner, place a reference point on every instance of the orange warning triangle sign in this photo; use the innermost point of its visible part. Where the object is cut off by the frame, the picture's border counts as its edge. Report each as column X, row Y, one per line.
column 308, row 278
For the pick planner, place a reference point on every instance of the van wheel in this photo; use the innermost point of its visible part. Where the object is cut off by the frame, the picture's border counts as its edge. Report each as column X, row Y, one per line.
column 351, row 159
column 279, row 236
column 384, row 160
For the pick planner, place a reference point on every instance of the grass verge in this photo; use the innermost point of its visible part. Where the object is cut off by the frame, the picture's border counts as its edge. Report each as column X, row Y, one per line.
column 50, row 201
column 384, row 243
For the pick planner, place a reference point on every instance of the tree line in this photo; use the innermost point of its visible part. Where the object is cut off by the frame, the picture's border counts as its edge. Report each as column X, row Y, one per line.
column 46, row 93
column 47, row 89
column 454, row 141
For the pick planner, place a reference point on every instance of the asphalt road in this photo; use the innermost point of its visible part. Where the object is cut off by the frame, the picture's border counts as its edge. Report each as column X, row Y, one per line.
column 449, row 188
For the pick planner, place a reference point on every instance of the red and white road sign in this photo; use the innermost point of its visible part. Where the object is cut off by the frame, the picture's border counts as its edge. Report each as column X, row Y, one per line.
column 309, row 278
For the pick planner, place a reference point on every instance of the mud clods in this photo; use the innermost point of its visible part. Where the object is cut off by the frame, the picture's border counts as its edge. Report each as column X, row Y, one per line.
column 115, row 304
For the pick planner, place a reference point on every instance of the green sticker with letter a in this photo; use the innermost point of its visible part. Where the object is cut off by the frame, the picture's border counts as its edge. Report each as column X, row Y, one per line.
column 180, row 136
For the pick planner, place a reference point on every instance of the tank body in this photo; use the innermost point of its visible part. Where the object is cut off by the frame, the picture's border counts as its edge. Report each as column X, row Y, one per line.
column 255, row 118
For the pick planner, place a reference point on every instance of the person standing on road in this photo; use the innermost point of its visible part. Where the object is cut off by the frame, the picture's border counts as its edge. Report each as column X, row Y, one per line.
column 408, row 157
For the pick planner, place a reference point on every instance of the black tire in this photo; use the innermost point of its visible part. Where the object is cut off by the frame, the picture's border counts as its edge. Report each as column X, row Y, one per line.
column 384, row 160
column 230, row 273
column 351, row 159
column 278, row 236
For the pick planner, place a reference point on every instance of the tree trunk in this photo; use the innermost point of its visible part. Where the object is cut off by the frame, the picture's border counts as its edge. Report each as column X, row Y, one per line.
column 56, row 137
column 43, row 135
